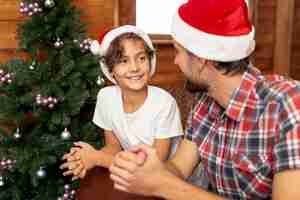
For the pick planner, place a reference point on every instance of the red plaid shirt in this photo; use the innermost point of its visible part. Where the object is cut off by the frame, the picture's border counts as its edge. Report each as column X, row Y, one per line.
column 256, row 136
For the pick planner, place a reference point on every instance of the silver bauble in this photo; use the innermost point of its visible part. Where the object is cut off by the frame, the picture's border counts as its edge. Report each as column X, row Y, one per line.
column 65, row 135
column 100, row 81
column 1, row 181
column 31, row 67
column 49, row 3
column 17, row 135
column 41, row 173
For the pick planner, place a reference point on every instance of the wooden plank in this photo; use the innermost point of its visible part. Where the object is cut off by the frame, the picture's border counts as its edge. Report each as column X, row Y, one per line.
column 253, row 11
column 127, row 12
column 284, row 33
column 97, row 14
column 116, row 13
column 9, row 10
column 163, row 79
column 8, row 34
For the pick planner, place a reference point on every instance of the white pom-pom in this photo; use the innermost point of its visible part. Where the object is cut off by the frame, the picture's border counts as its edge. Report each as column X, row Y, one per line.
column 95, row 48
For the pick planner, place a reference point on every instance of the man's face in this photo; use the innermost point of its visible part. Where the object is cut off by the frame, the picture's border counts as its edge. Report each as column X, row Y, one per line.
column 191, row 66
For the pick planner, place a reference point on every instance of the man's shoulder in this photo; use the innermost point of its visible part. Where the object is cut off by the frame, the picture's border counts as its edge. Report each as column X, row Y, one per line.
column 278, row 87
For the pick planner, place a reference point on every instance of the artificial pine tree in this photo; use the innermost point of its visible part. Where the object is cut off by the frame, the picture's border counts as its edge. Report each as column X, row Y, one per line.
column 48, row 99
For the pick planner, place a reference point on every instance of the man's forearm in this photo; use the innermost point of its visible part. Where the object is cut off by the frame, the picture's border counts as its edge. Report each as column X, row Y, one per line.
column 173, row 169
column 174, row 188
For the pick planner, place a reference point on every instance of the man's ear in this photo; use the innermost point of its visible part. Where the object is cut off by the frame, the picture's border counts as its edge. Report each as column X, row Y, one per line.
column 201, row 61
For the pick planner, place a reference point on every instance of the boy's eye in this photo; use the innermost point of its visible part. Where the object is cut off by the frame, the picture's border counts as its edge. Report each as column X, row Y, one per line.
column 123, row 60
column 142, row 58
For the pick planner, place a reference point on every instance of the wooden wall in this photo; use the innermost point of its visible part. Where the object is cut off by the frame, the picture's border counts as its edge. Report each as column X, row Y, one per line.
column 277, row 33
column 96, row 13
column 295, row 72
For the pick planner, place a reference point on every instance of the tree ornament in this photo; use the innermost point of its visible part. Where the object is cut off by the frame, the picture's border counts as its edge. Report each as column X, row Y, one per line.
column 32, row 66
column 1, row 181
column 69, row 193
column 30, row 8
column 5, row 78
column 17, row 135
column 46, row 101
column 65, row 135
column 85, row 45
column 100, row 81
column 49, row 3
column 41, row 173
column 58, row 43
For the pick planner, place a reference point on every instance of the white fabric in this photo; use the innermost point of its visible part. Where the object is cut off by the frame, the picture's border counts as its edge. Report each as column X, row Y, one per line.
column 157, row 118
column 101, row 49
column 210, row 46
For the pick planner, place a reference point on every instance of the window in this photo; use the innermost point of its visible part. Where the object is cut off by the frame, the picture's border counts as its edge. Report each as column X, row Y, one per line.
column 154, row 16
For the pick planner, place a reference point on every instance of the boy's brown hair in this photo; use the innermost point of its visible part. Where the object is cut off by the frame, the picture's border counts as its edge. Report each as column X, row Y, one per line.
column 116, row 51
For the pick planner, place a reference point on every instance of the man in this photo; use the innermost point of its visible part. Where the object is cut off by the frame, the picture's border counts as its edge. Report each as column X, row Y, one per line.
column 245, row 128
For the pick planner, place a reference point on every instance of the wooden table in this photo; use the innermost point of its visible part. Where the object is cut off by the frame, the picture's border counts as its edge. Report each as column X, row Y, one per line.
column 98, row 186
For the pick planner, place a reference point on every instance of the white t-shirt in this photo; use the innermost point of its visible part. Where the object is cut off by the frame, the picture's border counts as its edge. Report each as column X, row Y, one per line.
column 157, row 118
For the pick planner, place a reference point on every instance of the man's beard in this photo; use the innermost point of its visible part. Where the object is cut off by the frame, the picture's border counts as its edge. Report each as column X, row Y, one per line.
column 195, row 87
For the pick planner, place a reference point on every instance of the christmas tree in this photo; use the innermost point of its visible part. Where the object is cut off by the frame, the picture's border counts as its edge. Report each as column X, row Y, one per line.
column 46, row 101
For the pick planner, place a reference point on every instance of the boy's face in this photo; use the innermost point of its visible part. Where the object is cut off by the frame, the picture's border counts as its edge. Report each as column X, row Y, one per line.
column 133, row 72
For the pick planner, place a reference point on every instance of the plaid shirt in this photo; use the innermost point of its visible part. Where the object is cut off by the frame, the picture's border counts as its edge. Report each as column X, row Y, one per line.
column 257, row 135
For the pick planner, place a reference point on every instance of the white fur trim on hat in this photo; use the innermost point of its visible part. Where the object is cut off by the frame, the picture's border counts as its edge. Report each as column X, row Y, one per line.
column 95, row 48
column 210, row 46
column 113, row 34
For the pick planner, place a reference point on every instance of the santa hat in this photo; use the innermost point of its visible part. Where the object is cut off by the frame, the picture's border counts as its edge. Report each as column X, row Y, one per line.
column 217, row 30
column 101, row 46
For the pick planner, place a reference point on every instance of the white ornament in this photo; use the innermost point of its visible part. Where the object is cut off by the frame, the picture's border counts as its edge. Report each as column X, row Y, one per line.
column 49, row 3
column 1, row 181
column 41, row 173
column 100, row 81
column 17, row 134
column 31, row 67
column 57, row 44
column 65, row 135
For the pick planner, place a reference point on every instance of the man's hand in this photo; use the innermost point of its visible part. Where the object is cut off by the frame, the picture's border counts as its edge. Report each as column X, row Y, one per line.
column 137, row 171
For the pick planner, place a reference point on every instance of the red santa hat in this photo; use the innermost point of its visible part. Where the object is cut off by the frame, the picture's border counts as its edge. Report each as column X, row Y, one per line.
column 217, row 30
column 99, row 47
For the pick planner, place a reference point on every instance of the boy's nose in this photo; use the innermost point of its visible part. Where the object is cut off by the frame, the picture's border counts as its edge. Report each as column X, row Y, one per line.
column 134, row 66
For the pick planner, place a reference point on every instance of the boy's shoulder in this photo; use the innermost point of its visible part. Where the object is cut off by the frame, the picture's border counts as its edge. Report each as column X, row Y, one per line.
column 107, row 91
column 160, row 95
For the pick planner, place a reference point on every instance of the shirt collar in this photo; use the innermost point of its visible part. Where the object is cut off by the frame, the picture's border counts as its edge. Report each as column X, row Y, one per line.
column 244, row 96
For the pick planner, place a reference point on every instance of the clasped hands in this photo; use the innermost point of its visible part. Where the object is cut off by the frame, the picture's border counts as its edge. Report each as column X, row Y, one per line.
column 138, row 170
column 78, row 161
